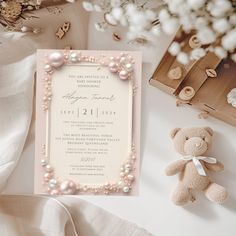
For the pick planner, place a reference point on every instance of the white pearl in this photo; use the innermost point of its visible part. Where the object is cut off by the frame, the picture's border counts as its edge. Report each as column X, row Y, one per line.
column 129, row 67
column 122, row 59
column 43, row 162
column 122, row 174
column 56, row 59
column 121, row 184
column 128, row 166
column 73, row 57
column 52, row 183
column 126, row 189
column 47, row 68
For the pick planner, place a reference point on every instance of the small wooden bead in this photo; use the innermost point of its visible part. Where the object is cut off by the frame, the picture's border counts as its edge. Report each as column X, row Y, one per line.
column 175, row 73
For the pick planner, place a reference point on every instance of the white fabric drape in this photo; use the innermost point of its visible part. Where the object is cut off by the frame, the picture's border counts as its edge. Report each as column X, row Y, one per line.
column 16, row 93
column 63, row 216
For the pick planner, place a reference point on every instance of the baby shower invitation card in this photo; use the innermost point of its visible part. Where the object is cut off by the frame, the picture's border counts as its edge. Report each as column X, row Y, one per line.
column 87, row 122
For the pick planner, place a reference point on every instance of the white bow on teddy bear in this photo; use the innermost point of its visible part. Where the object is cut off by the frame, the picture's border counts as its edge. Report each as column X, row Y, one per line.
column 197, row 163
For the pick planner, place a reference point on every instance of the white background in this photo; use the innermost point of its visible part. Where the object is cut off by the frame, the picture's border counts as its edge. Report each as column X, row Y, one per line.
column 153, row 209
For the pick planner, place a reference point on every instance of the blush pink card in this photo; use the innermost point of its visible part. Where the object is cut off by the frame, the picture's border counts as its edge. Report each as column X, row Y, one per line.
column 87, row 122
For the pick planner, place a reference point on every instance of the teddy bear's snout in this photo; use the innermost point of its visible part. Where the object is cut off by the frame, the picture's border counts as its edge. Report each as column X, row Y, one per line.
column 198, row 145
column 195, row 146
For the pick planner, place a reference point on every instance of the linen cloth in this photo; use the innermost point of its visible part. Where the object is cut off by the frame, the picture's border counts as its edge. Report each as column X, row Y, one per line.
column 62, row 216
column 39, row 215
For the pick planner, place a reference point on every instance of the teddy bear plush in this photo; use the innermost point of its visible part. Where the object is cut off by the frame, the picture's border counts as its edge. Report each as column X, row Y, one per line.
column 194, row 166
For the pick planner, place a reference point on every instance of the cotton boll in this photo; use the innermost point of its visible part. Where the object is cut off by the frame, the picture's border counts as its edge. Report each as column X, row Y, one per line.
column 232, row 19
column 150, row 15
column 221, row 25
column 88, row 6
column 131, row 35
column 196, row 4
column 170, row 26
column 210, row 49
column 117, row 13
column 163, row 15
column 200, row 22
column 123, row 21
column 97, row 8
column 197, row 53
column 233, row 57
column 220, row 7
column 220, row 52
column 228, row 41
column 210, row 6
column 187, row 23
column 115, row 3
column 206, row 35
column 110, row 19
column 156, row 30
column 174, row 49
column 132, row 28
column 183, row 58
column 175, row 5
column 131, row 9
column 139, row 19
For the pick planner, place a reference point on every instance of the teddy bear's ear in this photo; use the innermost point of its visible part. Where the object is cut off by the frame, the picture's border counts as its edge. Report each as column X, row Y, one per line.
column 209, row 130
column 174, row 132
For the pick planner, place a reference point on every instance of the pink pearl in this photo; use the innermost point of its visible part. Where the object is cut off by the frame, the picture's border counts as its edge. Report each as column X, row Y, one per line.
column 113, row 67
column 47, row 176
column 130, row 177
column 48, row 168
column 68, row 187
column 55, row 192
column 56, row 59
column 123, row 74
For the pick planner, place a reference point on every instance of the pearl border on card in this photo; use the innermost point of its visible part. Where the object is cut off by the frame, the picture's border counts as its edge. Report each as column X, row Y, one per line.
column 123, row 66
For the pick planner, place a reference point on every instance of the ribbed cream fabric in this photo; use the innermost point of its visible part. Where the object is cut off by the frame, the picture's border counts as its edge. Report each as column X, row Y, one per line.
column 16, row 93
column 62, row 216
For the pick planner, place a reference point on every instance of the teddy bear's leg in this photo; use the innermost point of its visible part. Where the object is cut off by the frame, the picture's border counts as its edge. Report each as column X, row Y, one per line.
column 216, row 193
column 181, row 195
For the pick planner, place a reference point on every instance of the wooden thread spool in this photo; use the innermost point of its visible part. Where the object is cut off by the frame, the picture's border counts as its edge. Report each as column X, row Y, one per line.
column 187, row 93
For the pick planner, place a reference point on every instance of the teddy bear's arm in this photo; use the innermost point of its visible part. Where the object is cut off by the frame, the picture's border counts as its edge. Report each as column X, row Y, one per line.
column 216, row 167
column 175, row 167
